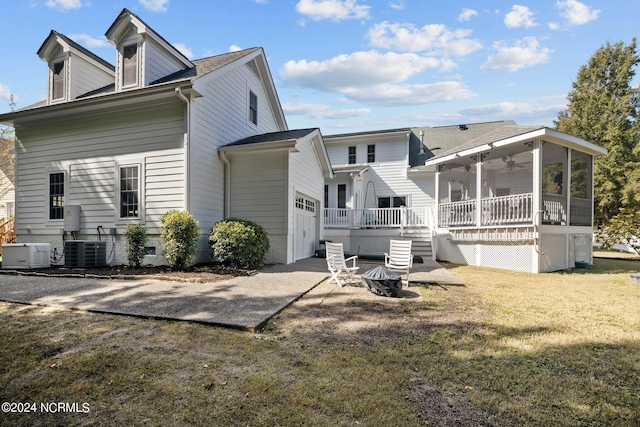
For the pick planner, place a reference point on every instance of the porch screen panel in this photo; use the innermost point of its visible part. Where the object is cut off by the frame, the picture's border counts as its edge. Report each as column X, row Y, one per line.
column 580, row 192
column 554, row 184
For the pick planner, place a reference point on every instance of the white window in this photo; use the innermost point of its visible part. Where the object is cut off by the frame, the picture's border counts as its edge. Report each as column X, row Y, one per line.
column 56, row 195
column 253, row 108
column 58, row 81
column 130, row 65
column 130, row 191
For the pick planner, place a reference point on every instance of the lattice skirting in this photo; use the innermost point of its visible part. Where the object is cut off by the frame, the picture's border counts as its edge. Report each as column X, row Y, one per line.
column 516, row 257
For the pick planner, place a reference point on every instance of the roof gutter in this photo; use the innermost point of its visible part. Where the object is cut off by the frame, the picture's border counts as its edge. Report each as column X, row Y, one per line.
column 227, row 184
column 187, row 149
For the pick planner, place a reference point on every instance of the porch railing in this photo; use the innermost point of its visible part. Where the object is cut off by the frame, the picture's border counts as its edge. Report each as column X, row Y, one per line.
column 457, row 214
column 512, row 209
column 377, row 217
column 554, row 209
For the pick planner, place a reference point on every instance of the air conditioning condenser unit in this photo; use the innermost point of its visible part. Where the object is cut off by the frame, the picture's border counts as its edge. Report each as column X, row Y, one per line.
column 85, row 253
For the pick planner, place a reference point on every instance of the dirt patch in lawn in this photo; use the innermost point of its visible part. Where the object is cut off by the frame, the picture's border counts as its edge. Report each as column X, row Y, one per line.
column 199, row 273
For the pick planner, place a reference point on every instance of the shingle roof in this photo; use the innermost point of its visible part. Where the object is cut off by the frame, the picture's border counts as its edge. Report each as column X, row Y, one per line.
column 273, row 137
column 499, row 134
column 78, row 47
column 205, row 66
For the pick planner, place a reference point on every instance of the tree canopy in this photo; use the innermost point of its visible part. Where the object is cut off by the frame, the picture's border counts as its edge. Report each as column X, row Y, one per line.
column 603, row 109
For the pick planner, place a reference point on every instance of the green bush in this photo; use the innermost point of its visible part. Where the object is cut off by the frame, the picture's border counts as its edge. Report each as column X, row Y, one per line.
column 180, row 233
column 136, row 236
column 239, row 242
column 623, row 228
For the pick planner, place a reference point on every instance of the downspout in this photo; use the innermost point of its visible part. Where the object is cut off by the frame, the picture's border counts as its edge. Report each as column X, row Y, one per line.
column 227, row 184
column 187, row 151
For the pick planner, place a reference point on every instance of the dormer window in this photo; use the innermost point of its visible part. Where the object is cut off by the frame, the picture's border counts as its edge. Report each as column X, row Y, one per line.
column 130, row 65
column 57, row 82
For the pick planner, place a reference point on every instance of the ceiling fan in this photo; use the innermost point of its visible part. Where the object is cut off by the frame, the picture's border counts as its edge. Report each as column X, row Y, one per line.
column 511, row 164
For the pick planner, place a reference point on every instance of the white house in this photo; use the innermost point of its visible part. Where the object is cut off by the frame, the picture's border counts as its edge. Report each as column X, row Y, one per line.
column 492, row 194
column 124, row 144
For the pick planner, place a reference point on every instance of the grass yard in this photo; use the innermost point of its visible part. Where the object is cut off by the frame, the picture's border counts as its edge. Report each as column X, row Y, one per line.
column 507, row 349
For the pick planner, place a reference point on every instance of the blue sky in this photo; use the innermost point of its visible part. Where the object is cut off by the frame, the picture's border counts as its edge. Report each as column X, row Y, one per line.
column 354, row 65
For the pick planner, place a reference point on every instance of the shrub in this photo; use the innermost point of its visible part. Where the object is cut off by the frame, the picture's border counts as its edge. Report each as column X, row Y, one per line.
column 136, row 236
column 623, row 228
column 180, row 232
column 239, row 242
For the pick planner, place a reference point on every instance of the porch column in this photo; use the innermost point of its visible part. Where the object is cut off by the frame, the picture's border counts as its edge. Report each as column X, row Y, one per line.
column 569, row 152
column 436, row 215
column 479, row 159
column 537, row 183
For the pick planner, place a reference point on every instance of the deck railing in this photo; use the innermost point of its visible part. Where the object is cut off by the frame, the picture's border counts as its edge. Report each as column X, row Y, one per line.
column 512, row 209
column 377, row 217
column 7, row 232
column 554, row 209
column 457, row 214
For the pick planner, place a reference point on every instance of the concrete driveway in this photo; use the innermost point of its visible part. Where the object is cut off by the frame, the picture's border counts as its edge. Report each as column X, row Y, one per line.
column 243, row 302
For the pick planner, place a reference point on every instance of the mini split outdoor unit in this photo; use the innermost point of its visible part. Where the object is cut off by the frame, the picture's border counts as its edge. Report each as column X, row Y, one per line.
column 85, row 253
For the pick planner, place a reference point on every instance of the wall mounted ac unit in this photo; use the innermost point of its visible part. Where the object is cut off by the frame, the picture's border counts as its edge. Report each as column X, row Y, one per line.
column 85, row 253
column 26, row 255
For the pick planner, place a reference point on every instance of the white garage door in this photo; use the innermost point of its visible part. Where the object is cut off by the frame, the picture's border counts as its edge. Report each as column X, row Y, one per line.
column 306, row 222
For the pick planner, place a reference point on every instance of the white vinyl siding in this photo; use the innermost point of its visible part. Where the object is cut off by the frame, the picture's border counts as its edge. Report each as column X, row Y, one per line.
column 90, row 150
column 260, row 199
column 218, row 118
column 158, row 63
column 86, row 77
column 387, row 177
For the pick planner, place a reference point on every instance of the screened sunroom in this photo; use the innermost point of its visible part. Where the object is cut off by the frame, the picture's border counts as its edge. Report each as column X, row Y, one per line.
column 520, row 198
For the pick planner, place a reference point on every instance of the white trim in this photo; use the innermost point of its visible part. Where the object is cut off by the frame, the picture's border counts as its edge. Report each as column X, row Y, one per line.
column 48, row 222
column 140, row 219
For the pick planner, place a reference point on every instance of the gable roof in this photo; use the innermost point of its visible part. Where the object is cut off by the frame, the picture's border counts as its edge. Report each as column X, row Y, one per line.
column 283, row 140
column 126, row 18
column 205, row 66
column 54, row 37
column 265, row 138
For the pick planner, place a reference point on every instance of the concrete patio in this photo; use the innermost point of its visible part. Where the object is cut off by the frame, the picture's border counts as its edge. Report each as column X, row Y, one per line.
column 245, row 303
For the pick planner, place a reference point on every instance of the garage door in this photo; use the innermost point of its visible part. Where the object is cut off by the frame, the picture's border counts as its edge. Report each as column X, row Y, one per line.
column 306, row 222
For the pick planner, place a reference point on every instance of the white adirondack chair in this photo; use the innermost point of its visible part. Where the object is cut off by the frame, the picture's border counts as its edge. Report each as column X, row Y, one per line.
column 337, row 264
column 399, row 257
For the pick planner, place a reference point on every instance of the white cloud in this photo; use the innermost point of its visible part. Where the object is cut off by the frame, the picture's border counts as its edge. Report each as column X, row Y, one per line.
column 155, row 5
column 5, row 92
column 536, row 112
column 184, row 49
column 64, row 5
column 323, row 111
column 89, row 41
column 372, row 78
column 355, row 70
column 467, row 14
column 262, row 1
column 520, row 16
column 554, row 26
column 398, row 5
column 234, row 48
column 524, row 53
column 415, row 94
column 335, row 10
column 577, row 13
column 435, row 38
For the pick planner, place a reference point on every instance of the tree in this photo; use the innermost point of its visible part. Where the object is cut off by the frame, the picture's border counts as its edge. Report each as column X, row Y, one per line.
column 603, row 109
column 623, row 228
column 7, row 157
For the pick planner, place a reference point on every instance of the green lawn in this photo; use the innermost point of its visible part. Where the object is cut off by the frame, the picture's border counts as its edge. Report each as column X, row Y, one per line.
column 560, row 349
